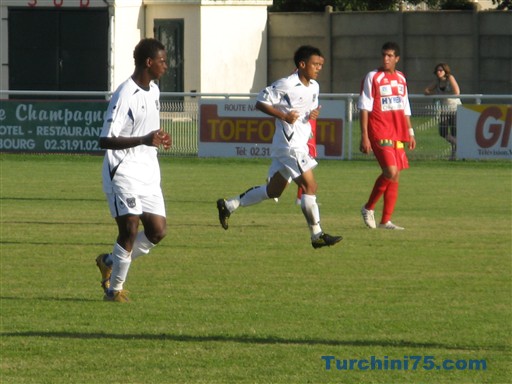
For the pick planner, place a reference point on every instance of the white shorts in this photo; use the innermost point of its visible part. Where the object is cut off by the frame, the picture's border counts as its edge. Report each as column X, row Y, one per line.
column 292, row 165
column 122, row 204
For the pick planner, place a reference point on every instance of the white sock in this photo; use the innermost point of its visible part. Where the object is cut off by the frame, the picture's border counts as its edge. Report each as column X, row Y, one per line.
column 312, row 214
column 254, row 195
column 120, row 266
column 141, row 246
column 233, row 203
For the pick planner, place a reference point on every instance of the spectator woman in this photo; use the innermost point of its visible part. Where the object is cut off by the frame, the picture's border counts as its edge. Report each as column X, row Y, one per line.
column 445, row 84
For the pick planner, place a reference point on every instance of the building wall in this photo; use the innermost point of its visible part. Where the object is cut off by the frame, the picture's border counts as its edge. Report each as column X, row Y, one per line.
column 126, row 30
column 233, row 48
column 476, row 45
column 225, row 41
column 192, row 35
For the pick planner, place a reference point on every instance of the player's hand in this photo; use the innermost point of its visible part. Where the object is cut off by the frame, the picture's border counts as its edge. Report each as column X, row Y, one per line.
column 165, row 139
column 313, row 115
column 291, row 117
column 160, row 138
column 412, row 143
column 365, row 145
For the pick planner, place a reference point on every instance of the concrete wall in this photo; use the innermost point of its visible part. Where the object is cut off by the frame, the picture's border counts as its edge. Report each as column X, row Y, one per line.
column 126, row 30
column 233, row 49
column 288, row 31
column 476, row 45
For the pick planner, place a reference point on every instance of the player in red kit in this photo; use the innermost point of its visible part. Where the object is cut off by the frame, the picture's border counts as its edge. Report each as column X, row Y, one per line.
column 385, row 127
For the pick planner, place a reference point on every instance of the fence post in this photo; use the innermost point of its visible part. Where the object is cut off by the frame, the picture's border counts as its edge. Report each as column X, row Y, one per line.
column 350, row 103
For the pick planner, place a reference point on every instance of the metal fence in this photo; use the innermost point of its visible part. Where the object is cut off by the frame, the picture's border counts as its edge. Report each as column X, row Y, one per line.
column 180, row 117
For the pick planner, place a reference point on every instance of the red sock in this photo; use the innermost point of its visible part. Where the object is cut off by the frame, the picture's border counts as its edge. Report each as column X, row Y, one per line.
column 390, row 197
column 381, row 184
column 299, row 193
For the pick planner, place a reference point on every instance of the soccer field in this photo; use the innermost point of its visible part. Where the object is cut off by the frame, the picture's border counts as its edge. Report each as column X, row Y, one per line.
column 256, row 303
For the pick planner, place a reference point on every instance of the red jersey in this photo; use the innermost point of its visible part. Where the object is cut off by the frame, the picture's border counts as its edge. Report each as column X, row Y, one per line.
column 385, row 97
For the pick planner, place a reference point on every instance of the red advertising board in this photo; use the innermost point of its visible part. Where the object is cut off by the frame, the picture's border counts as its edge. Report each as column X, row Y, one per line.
column 235, row 128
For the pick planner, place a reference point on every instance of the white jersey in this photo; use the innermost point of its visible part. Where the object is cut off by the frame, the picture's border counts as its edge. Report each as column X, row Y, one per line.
column 289, row 94
column 132, row 112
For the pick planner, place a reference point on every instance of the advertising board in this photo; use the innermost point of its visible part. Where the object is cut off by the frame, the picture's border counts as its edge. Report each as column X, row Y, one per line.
column 235, row 128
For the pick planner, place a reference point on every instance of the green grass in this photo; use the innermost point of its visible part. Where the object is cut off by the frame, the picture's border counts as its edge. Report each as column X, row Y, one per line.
column 256, row 303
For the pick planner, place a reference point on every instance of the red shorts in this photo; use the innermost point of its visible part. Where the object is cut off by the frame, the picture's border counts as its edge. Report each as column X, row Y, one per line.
column 390, row 153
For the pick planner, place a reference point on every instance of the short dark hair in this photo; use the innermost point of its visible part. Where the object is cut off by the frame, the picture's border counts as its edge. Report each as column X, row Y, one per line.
column 146, row 48
column 391, row 46
column 304, row 52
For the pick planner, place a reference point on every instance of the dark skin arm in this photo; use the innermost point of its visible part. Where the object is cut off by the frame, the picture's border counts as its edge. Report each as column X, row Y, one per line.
column 154, row 138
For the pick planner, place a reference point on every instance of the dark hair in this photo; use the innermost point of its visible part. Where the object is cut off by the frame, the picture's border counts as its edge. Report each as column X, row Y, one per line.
column 446, row 69
column 146, row 48
column 391, row 46
column 304, row 52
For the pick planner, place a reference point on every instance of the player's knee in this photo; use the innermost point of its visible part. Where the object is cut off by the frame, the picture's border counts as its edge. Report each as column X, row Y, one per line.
column 391, row 174
column 273, row 194
column 274, row 190
column 157, row 234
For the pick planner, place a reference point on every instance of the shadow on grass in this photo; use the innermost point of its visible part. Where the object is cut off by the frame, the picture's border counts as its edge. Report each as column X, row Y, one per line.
column 246, row 339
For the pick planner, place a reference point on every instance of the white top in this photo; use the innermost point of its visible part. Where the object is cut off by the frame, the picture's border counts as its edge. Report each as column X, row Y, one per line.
column 445, row 88
column 132, row 112
column 289, row 94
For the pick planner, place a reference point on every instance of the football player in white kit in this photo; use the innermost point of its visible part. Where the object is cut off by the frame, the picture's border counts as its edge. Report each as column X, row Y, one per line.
column 131, row 173
column 292, row 100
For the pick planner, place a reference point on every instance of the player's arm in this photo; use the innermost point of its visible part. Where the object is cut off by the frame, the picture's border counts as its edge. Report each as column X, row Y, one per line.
column 365, row 105
column 290, row 116
column 154, row 138
column 365, row 145
column 412, row 139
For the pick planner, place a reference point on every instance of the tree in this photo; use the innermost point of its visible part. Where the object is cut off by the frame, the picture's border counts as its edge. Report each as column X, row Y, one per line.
column 457, row 4
column 503, row 5
column 339, row 5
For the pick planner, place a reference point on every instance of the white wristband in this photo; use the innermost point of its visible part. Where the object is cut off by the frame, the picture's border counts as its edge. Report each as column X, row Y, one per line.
column 411, row 132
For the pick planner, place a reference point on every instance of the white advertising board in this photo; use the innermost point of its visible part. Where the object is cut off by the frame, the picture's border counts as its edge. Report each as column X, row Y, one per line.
column 484, row 131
